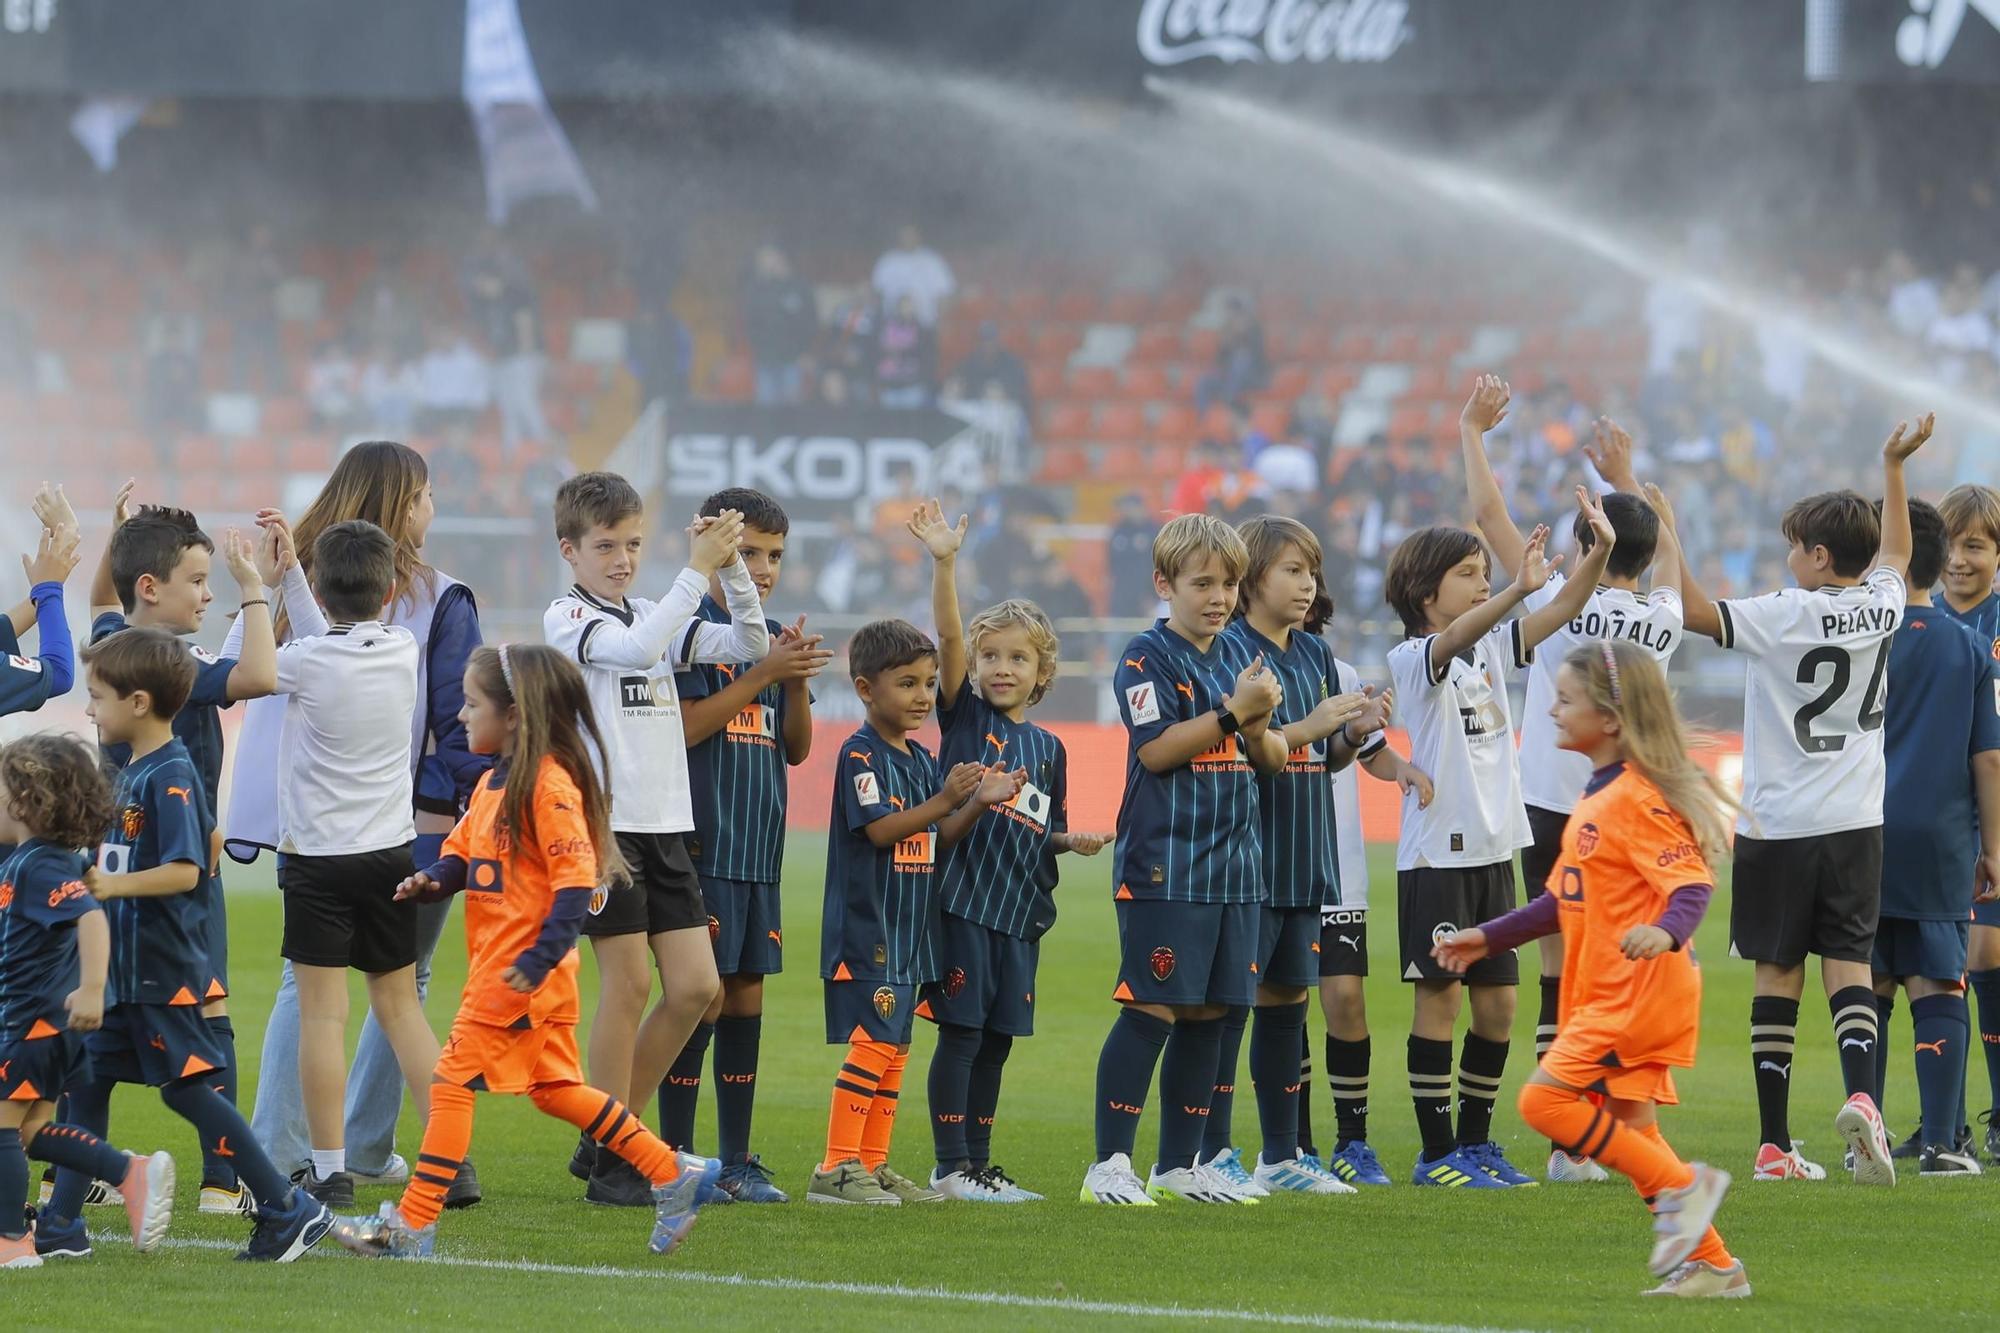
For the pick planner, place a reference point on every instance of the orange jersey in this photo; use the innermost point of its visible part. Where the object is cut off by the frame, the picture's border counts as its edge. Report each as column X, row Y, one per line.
column 509, row 891
column 1624, row 851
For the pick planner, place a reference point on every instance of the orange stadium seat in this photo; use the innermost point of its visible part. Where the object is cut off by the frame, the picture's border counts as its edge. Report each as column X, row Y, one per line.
column 1055, row 343
column 1273, row 419
column 1157, row 342
column 1290, row 381
column 1077, row 307
column 1061, row 466
column 1046, row 379
column 1117, row 422
column 1093, row 382
column 1029, row 305
column 1147, row 381
column 1127, row 306
column 1066, row 421
column 1177, row 424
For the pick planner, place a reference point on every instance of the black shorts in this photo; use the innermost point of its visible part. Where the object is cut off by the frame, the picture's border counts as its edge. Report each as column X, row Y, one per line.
column 1432, row 902
column 1288, row 946
column 869, row 1011
column 664, row 894
column 45, row 1068
column 1934, row 950
column 1794, row 896
column 989, row 979
column 746, row 926
column 154, row 1044
column 1539, row 858
column 1187, row 953
column 1343, row 942
column 341, row 911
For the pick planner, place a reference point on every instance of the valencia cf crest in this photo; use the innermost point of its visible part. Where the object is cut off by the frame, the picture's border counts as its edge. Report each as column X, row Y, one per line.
column 885, row 1002
column 1163, row 963
column 714, row 930
column 1586, row 841
column 131, row 820
column 599, row 897
column 954, row 983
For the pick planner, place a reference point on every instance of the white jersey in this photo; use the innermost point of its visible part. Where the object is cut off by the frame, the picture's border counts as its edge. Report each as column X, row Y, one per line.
column 1553, row 779
column 1462, row 735
column 629, row 655
column 1813, row 700
column 344, row 780
column 1351, row 847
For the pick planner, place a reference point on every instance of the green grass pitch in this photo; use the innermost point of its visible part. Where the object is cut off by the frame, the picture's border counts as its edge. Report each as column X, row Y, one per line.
column 1828, row 1256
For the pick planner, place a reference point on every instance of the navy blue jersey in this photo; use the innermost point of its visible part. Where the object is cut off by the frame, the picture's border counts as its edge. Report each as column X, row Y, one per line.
column 738, row 776
column 1943, row 708
column 1295, row 806
column 1983, row 620
column 1002, row 875
column 158, row 950
column 198, row 725
column 1189, row 835
column 25, row 682
column 881, row 902
column 41, row 899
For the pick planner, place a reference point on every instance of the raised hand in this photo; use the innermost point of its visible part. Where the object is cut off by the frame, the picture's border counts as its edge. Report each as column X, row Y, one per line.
column 1375, row 716
column 1460, row 949
column 1536, row 566
column 1593, row 511
column 55, row 556
column 712, row 545
column 1900, row 446
column 940, row 538
column 1414, row 779
column 796, row 655
column 121, row 504
column 962, row 781
column 1657, row 498
column 1487, row 407
column 242, row 561
column 1611, row 453
column 274, row 550
column 52, row 508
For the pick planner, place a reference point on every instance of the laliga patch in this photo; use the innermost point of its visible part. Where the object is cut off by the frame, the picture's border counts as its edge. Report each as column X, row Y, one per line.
column 1143, row 700
column 33, row 664
column 203, row 655
column 867, row 789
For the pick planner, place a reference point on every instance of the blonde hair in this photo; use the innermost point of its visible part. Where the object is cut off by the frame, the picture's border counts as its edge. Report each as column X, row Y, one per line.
column 1264, row 541
column 1015, row 613
column 379, row 481
column 1190, row 537
column 1966, row 507
column 1653, row 738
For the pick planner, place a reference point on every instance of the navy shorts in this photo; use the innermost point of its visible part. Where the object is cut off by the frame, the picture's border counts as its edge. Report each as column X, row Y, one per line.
column 1986, row 914
column 1434, row 901
column 1930, row 949
column 1343, row 942
column 869, row 1011
column 216, row 941
column 664, row 893
column 1288, row 946
column 1187, row 953
column 989, row 979
column 154, row 1044
column 745, row 925
column 43, row 1069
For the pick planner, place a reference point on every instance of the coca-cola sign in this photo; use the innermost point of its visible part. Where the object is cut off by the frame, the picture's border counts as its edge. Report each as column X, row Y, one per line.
column 1282, row 32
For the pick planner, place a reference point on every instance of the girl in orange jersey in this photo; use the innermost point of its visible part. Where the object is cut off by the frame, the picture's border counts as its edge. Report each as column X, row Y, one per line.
column 1627, row 892
column 532, row 849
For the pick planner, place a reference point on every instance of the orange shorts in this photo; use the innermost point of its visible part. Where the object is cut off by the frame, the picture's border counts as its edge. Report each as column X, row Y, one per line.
column 515, row 1060
column 1585, row 1069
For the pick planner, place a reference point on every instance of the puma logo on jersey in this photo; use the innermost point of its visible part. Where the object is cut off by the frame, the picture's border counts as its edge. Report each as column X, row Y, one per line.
column 996, row 742
column 181, row 792
column 1783, row 1071
column 1139, row 664
column 1185, row 687
column 863, row 756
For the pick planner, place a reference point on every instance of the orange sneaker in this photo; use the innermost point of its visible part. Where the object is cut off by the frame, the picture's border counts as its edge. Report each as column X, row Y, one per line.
column 19, row 1251
column 148, row 1188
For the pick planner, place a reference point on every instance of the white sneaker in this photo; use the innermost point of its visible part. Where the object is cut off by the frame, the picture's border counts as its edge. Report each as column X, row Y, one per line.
column 1298, row 1176
column 1114, row 1181
column 1775, row 1163
column 394, row 1172
column 1702, row 1279
column 1253, row 1194
column 1228, row 1163
column 968, row 1187
column 1567, row 1170
column 1868, row 1139
column 1681, row 1218
column 225, row 1201
column 1195, row 1184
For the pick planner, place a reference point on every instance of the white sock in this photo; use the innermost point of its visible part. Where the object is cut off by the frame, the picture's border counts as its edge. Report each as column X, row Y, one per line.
column 326, row 1161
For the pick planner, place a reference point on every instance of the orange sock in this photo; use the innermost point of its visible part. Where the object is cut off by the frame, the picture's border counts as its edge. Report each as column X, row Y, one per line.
column 882, row 1111
column 1583, row 1130
column 447, row 1135
column 853, row 1094
column 1711, row 1249
column 606, row 1120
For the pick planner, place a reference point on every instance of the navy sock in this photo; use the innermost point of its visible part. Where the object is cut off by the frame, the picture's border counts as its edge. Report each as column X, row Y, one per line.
column 1189, row 1071
column 212, row 1116
column 1942, row 1028
column 1774, row 1030
column 1277, row 1036
column 13, row 1185
column 680, row 1091
column 1985, row 985
column 1481, row 1062
column 1347, row 1078
column 1307, row 1148
column 78, row 1150
column 1854, row 1036
column 218, row 1159
column 1220, row 1127
column 982, row 1095
column 87, row 1106
column 1125, row 1076
column 737, row 1043
column 950, row 1084
column 1430, row 1089
column 1885, row 1009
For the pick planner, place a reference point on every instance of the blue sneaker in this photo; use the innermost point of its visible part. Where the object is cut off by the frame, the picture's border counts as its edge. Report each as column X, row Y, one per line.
column 747, row 1180
column 1455, row 1170
column 66, row 1241
column 676, row 1202
column 1495, row 1163
column 282, row 1237
column 1357, row 1164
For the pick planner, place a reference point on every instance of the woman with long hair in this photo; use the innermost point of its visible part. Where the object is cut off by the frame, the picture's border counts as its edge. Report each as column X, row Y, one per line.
column 388, row 484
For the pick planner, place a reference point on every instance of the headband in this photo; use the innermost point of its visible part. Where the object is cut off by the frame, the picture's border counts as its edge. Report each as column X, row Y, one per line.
column 507, row 672
column 1610, row 666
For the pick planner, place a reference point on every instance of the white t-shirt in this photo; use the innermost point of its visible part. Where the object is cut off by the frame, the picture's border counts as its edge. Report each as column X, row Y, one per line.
column 1553, row 779
column 1287, row 467
column 1461, row 734
column 344, row 780
column 629, row 655
column 1351, row 846
column 1813, row 700
column 920, row 274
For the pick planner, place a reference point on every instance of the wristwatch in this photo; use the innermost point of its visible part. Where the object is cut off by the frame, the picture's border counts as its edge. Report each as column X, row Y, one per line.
column 1227, row 721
